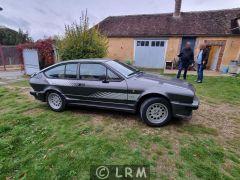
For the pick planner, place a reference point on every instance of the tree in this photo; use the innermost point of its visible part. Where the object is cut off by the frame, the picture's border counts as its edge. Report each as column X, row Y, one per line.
column 12, row 37
column 79, row 41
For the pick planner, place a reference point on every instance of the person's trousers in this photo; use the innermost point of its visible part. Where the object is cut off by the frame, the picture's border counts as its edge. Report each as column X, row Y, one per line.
column 200, row 72
column 180, row 68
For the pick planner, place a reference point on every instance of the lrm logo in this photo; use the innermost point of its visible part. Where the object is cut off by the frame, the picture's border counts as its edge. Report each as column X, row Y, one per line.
column 119, row 172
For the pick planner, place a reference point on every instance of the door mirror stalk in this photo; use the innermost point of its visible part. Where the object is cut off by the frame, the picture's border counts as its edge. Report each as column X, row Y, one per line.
column 105, row 81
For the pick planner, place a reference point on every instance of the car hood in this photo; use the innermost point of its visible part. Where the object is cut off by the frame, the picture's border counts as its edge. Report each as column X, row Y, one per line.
column 164, row 80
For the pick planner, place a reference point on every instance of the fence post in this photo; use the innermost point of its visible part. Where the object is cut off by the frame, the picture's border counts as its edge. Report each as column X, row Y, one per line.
column 2, row 57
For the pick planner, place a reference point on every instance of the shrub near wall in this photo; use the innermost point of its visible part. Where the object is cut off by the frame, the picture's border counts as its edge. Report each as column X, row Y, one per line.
column 81, row 42
column 45, row 51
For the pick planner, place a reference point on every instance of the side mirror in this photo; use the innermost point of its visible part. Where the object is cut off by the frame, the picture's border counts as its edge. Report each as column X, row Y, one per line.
column 103, row 78
column 105, row 81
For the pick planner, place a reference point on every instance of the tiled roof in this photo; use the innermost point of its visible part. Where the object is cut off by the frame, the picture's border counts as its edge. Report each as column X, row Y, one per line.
column 210, row 23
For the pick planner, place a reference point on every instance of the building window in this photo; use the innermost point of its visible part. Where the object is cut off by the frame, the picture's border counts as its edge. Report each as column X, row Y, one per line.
column 153, row 43
column 146, row 43
column 162, row 43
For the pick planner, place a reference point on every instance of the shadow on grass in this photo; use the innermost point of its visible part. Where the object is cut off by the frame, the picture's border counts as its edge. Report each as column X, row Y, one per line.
column 177, row 122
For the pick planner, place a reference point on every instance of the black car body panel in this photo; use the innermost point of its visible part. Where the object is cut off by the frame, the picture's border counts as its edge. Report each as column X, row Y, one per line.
column 123, row 93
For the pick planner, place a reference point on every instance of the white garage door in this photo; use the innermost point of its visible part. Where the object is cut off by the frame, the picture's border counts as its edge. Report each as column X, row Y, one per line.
column 150, row 53
column 31, row 62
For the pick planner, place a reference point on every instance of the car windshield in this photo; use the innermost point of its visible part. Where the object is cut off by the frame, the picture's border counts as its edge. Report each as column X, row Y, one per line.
column 122, row 68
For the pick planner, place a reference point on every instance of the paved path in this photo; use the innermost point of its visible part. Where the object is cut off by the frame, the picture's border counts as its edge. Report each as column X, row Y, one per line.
column 7, row 77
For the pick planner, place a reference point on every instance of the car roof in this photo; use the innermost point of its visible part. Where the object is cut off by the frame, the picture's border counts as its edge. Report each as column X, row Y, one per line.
column 88, row 60
column 78, row 60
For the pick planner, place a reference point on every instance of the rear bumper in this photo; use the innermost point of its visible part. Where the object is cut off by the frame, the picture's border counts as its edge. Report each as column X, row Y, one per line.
column 184, row 109
column 38, row 95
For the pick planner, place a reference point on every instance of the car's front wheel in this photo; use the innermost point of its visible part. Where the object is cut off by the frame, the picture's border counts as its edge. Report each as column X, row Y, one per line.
column 155, row 111
column 55, row 101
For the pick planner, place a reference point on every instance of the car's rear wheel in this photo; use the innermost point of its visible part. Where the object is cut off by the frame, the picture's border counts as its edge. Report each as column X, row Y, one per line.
column 156, row 111
column 56, row 101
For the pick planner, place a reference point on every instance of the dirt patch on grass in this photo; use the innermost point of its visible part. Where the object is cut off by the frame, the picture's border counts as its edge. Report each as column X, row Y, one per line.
column 219, row 117
column 34, row 111
column 25, row 91
column 109, row 117
column 116, row 125
column 166, row 165
column 97, row 120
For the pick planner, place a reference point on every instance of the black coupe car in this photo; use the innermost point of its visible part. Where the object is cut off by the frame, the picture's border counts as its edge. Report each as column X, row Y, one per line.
column 110, row 84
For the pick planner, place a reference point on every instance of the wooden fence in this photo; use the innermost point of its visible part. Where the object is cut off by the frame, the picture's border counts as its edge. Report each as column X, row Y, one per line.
column 10, row 57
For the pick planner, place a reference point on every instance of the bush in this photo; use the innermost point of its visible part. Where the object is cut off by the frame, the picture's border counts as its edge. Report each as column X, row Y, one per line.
column 81, row 42
column 44, row 48
column 129, row 62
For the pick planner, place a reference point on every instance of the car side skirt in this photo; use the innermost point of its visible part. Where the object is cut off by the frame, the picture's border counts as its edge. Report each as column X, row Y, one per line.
column 103, row 105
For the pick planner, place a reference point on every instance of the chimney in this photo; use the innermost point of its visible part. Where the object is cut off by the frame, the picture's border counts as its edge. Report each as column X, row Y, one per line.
column 177, row 12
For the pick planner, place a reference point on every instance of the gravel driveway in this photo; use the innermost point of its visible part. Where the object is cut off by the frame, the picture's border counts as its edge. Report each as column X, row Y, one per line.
column 10, row 76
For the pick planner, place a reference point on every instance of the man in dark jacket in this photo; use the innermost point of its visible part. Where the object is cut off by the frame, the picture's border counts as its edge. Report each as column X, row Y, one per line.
column 186, row 58
column 202, row 60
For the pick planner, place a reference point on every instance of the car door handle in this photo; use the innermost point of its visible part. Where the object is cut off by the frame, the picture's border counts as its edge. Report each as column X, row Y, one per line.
column 81, row 84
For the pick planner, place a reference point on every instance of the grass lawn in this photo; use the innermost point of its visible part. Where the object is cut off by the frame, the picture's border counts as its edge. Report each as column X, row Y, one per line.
column 218, row 89
column 37, row 143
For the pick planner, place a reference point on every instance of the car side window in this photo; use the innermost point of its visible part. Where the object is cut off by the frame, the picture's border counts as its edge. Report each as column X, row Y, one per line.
column 71, row 71
column 56, row 72
column 111, row 76
column 92, row 72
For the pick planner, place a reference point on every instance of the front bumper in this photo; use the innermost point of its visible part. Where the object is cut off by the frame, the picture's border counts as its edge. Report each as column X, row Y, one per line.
column 38, row 95
column 184, row 109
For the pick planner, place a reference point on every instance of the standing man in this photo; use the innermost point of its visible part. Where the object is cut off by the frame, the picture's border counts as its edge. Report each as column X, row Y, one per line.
column 202, row 60
column 186, row 58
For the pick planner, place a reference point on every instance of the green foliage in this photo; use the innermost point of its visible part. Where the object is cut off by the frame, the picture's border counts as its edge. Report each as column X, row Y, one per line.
column 44, row 48
column 218, row 89
column 129, row 62
column 203, row 157
column 215, row 89
column 11, row 37
column 79, row 41
column 36, row 142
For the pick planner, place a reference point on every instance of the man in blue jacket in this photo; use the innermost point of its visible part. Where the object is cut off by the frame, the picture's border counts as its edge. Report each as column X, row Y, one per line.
column 186, row 58
column 202, row 60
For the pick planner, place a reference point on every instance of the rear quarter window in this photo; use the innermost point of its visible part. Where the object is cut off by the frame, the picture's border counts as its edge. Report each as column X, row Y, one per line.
column 56, row 72
column 71, row 71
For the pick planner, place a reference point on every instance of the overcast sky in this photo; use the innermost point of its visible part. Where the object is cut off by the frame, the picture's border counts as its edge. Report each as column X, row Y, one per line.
column 48, row 17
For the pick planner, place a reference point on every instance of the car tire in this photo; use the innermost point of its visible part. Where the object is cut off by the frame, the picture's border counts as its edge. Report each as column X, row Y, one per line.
column 156, row 111
column 56, row 101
